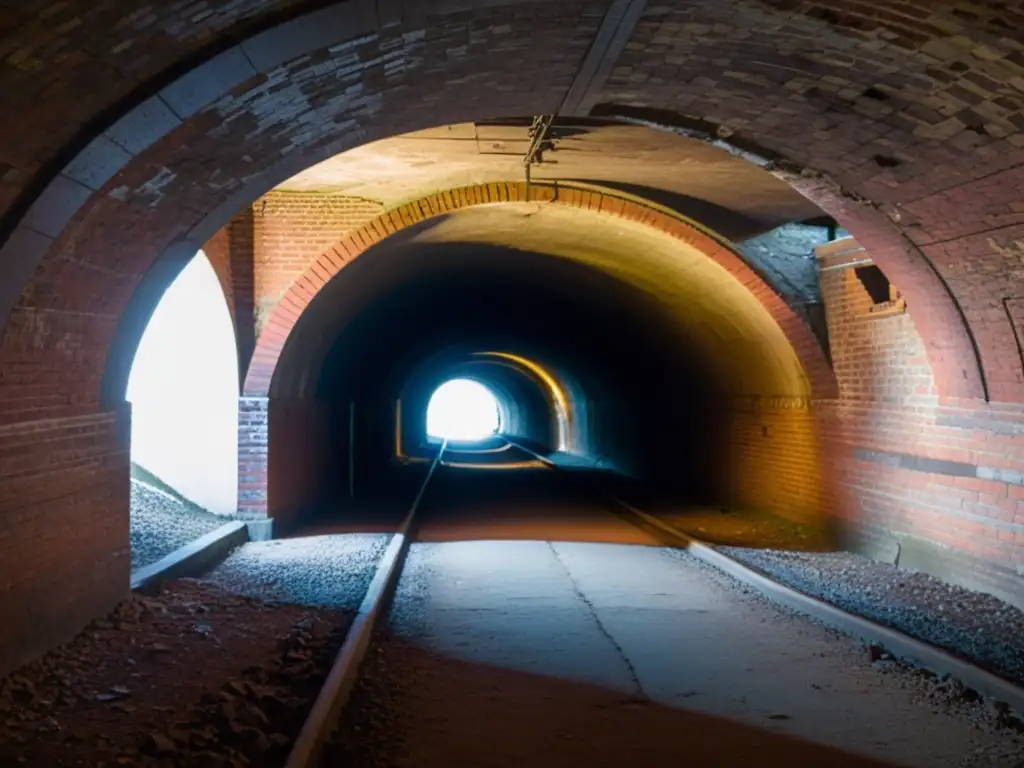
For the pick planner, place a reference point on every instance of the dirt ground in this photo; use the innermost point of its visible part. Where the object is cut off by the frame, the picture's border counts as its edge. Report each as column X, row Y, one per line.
column 196, row 676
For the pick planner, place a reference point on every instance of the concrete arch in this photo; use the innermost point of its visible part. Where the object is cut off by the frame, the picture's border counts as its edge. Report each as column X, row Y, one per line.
column 275, row 335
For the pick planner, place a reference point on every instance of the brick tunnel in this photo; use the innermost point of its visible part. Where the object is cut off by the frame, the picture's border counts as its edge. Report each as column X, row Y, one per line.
column 652, row 379
column 747, row 255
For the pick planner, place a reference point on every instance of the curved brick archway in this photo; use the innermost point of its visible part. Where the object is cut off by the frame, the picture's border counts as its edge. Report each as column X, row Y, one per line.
column 136, row 141
column 183, row 154
column 289, row 309
column 952, row 347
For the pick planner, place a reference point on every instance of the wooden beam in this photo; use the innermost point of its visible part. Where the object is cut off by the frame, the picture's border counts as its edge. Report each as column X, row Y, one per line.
column 611, row 38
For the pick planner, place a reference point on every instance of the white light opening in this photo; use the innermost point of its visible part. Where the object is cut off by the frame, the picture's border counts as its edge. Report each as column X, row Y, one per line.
column 462, row 409
column 183, row 388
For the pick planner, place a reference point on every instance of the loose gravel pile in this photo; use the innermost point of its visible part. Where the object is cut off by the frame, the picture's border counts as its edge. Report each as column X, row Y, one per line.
column 972, row 625
column 327, row 571
column 193, row 677
column 161, row 524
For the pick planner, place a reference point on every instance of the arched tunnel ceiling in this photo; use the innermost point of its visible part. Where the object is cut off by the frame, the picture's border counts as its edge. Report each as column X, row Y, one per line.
column 724, row 192
column 706, row 309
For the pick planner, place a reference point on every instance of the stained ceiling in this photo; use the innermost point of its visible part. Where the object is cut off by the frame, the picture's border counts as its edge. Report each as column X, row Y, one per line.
column 722, row 191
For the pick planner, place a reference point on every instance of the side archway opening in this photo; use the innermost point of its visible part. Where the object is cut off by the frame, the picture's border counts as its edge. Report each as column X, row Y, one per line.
column 183, row 393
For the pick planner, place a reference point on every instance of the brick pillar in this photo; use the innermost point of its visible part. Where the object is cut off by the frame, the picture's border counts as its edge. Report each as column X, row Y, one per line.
column 252, row 457
column 241, row 240
column 231, row 254
column 64, row 548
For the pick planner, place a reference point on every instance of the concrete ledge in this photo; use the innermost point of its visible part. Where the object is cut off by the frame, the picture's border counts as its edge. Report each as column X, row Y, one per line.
column 914, row 553
column 323, row 717
column 192, row 559
column 261, row 530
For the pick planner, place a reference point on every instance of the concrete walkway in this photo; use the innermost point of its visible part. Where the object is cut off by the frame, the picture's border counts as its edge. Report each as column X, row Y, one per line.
column 502, row 629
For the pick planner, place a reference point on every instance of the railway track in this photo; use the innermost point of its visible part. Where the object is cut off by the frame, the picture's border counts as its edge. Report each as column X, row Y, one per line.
column 511, row 614
column 518, row 618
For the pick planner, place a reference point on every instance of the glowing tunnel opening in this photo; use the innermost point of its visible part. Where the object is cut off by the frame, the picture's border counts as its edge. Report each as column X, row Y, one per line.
column 463, row 409
column 558, row 396
column 183, row 388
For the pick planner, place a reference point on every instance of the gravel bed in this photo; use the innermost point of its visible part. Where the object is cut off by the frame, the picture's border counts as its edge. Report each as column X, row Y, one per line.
column 193, row 677
column 330, row 571
column 972, row 625
column 161, row 524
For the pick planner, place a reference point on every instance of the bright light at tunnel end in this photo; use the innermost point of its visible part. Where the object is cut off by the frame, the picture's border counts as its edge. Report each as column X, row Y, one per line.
column 463, row 410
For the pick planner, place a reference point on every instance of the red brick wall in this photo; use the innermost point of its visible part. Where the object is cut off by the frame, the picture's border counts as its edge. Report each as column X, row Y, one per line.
column 218, row 252
column 298, row 472
column 773, row 459
column 940, row 482
column 64, row 555
column 291, row 229
column 903, row 466
column 284, row 453
column 253, row 436
column 876, row 359
column 267, row 246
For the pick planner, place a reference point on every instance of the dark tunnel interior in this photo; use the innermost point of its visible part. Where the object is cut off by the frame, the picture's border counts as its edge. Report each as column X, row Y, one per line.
column 629, row 379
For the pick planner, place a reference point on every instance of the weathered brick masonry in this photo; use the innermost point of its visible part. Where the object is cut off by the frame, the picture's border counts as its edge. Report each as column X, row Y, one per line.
column 913, row 106
column 911, row 112
column 774, row 462
column 257, row 256
column 290, row 230
column 64, row 535
column 937, row 483
column 268, row 245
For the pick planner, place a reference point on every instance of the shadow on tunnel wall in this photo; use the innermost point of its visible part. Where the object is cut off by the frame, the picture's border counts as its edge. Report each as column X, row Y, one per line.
column 725, row 221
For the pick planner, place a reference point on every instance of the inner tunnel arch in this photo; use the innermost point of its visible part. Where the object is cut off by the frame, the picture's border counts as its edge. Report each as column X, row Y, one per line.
column 412, row 217
column 712, row 305
column 536, row 401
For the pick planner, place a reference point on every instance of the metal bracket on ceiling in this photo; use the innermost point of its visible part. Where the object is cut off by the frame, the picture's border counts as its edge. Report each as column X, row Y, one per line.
column 618, row 24
column 539, row 142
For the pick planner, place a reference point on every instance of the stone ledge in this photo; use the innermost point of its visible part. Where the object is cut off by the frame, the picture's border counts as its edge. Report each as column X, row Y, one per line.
column 192, row 559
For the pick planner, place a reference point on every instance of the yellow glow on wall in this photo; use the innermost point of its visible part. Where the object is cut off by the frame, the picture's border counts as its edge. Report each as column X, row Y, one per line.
column 562, row 409
column 744, row 345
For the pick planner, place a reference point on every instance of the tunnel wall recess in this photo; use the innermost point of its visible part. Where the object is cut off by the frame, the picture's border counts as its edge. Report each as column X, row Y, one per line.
column 148, row 150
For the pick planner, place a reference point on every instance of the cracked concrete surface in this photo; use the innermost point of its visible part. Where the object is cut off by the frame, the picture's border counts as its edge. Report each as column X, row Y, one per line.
column 543, row 640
